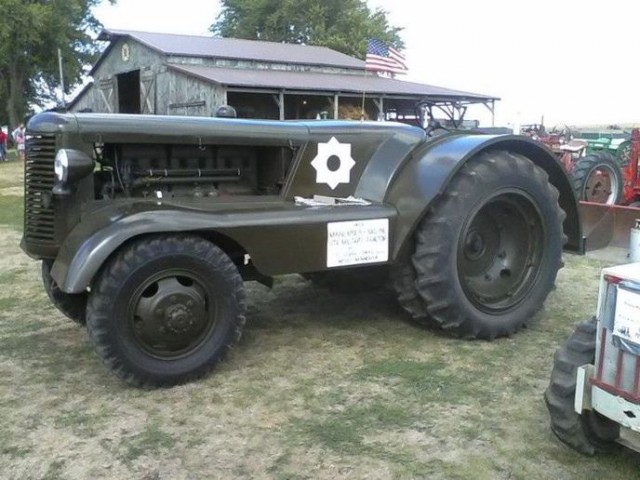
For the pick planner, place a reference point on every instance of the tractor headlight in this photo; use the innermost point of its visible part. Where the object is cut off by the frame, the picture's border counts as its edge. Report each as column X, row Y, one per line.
column 61, row 166
column 69, row 166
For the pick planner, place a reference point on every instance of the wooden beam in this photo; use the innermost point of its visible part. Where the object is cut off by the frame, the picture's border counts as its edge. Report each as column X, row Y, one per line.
column 281, row 105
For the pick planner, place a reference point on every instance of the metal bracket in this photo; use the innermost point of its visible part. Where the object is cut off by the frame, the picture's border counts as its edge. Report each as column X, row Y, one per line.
column 582, row 400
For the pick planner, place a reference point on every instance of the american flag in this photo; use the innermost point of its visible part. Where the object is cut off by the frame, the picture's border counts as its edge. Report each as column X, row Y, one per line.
column 383, row 58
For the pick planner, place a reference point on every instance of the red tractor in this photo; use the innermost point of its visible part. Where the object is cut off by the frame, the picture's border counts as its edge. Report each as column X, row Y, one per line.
column 609, row 194
column 600, row 177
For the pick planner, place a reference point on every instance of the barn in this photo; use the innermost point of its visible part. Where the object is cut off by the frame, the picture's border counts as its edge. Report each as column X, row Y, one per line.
column 166, row 74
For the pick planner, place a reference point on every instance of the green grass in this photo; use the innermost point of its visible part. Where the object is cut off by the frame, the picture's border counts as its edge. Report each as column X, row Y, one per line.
column 8, row 303
column 148, row 442
column 12, row 211
column 10, row 277
column 345, row 431
column 11, row 172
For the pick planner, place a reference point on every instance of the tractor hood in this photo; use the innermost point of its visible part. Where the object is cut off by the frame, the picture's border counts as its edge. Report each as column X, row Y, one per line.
column 95, row 127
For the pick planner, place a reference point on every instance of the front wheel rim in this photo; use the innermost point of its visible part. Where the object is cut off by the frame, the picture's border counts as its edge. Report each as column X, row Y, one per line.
column 171, row 314
column 500, row 252
column 601, row 185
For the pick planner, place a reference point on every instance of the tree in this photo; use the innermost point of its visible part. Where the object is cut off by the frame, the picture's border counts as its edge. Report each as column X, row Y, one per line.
column 31, row 33
column 343, row 25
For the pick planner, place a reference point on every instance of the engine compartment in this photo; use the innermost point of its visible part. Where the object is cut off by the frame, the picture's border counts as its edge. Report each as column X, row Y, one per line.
column 175, row 170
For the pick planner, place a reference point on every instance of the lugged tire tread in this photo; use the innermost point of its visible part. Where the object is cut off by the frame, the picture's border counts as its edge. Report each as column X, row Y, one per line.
column 437, row 230
column 137, row 253
column 570, row 427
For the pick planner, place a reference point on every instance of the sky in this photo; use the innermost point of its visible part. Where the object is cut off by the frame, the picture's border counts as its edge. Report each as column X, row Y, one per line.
column 568, row 62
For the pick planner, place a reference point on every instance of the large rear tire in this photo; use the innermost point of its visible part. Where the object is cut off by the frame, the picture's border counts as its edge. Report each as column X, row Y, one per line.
column 487, row 254
column 589, row 432
column 73, row 306
column 165, row 310
column 597, row 178
column 403, row 280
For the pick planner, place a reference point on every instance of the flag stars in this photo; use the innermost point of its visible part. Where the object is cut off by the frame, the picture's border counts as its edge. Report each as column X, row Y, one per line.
column 384, row 58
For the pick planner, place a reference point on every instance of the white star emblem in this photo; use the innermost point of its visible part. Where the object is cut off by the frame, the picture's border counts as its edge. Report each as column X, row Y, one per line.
column 333, row 148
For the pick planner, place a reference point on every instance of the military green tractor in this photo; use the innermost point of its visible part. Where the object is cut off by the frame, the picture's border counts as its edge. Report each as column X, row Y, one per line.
column 147, row 226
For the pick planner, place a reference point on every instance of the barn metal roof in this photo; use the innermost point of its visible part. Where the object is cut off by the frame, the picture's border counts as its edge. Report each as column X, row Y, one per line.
column 312, row 81
column 233, row 48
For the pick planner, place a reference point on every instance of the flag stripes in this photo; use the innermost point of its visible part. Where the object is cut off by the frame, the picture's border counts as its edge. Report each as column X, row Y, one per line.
column 383, row 58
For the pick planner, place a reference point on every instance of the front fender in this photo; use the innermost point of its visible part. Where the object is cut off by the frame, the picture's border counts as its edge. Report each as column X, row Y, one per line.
column 430, row 168
column 88, row 246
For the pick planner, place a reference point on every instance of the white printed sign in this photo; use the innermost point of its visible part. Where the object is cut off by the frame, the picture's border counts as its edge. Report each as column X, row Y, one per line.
column 355, row 243
column 627, row 318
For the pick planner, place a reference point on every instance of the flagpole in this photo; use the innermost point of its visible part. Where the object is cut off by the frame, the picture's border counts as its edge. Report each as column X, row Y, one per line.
column 364, row 77
column 381, row 58
column 363, row 96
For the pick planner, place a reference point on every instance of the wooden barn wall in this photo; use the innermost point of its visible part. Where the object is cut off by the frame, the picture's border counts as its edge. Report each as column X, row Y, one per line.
column 165, row 91
column 140, row 57
column 179, row 94
column 172, row 93
column 102, row 97
column 86, row 102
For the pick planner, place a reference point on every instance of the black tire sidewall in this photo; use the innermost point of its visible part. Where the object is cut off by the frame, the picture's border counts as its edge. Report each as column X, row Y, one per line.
column 538, row 194
column 134, row 359
column 436, row 258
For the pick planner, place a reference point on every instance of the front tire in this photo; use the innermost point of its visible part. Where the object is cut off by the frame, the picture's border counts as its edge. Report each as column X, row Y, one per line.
column 487, row 254
column 589, row 432
column 165, row 310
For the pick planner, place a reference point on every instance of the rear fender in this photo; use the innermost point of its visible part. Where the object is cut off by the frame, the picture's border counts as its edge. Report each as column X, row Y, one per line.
column 430, row 168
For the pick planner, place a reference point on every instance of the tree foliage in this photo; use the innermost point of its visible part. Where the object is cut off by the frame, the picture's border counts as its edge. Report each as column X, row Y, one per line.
column 343, row 25
column 30, row 35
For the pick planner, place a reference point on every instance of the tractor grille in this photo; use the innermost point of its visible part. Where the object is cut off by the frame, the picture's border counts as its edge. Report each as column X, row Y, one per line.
column 38, row 182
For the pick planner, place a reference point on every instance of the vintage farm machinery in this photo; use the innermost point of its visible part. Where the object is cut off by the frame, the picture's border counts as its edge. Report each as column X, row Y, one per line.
column 600, row 168
column 601, row 177
column 608, row 224
column 593, row 396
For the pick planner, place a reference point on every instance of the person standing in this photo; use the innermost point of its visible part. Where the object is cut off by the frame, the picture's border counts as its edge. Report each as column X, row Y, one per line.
column 3, row 146
column 19, row 138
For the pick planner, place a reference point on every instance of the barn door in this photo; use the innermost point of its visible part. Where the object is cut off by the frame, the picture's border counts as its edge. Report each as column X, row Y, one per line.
column 147, row 92
column 107, row 94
